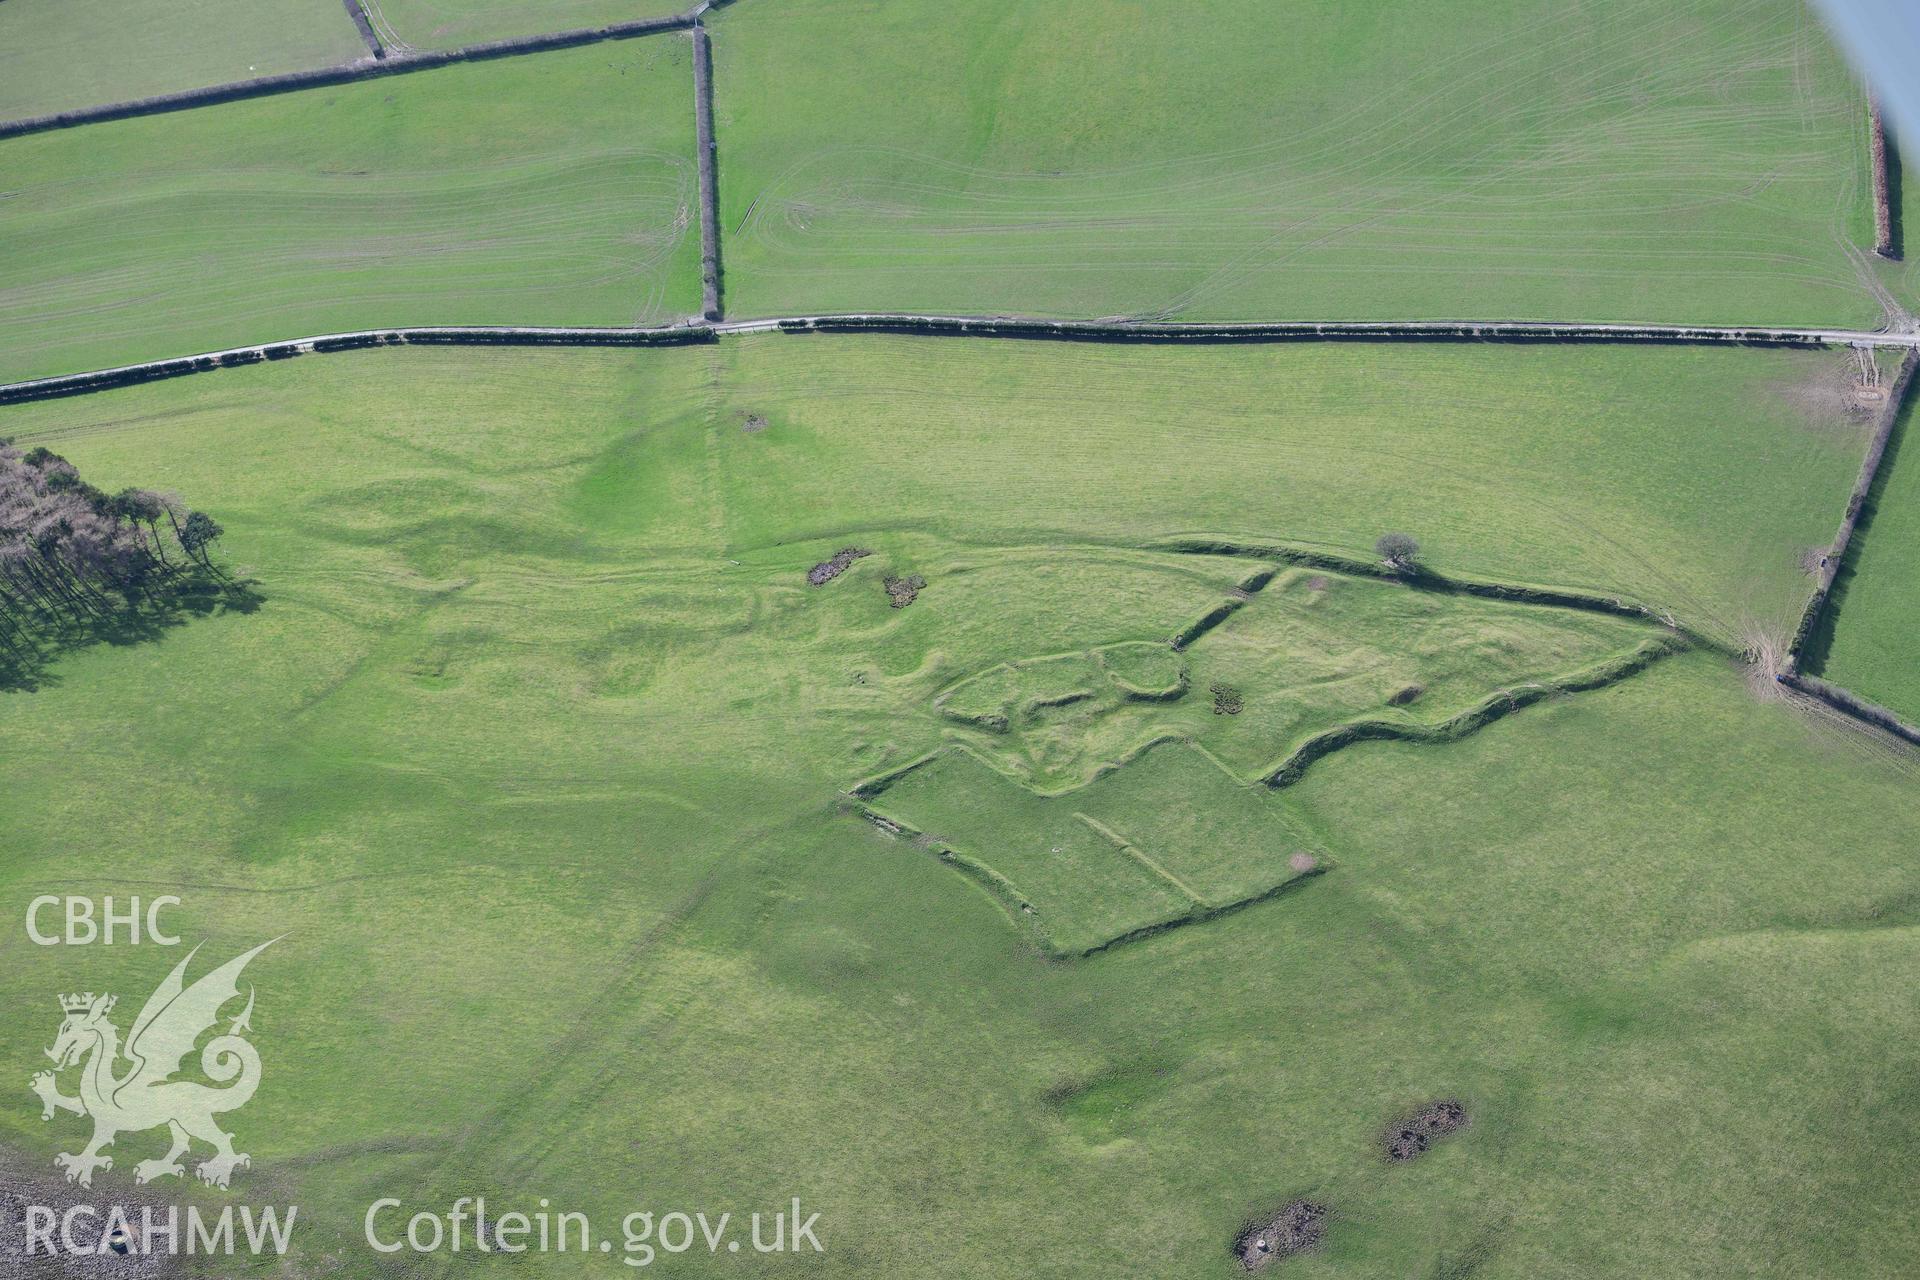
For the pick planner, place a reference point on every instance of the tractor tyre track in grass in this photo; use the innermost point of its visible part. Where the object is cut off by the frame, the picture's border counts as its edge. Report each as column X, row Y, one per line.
column 369, row 68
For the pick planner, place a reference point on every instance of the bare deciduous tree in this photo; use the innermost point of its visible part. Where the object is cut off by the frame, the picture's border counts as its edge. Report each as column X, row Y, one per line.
column 1399, row 550
column 70, row 554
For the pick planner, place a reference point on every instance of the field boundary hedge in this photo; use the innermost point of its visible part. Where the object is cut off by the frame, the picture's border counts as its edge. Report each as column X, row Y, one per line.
column 709, row 184
column 1201, row 915
column 1883, row 241
column 866, row 797
column 1811, row 616
column 997, row 887
column 1424, row 579
column 367, row 33
column 1850, row 704
column 368, row 68
column 1141, row 858
column 1494, row 706
column 1505, row 331
column 1042, row 330
column 75, row 384
column 1241, row 596
column 1030, row 920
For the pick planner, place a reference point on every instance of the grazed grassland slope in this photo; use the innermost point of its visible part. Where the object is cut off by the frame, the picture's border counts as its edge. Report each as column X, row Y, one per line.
column 536, row 741
column 1114, row 790
column 1689, row 479
column 550, row 189
column 1234, row 159
column 56, row 55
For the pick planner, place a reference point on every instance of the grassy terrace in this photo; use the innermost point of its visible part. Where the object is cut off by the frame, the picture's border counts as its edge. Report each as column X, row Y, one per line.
column 537, row 740
column 550, row 189
column 56, row 56
column 1230, row 159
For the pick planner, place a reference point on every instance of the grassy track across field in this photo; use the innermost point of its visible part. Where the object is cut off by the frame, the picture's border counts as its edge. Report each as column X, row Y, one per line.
column 56, row 55
column 448, row 24
column 1234, row 159
column 535, row 745
column 556, row 188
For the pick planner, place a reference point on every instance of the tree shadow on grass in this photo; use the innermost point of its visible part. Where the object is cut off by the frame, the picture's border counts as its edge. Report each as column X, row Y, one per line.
column 146, row 620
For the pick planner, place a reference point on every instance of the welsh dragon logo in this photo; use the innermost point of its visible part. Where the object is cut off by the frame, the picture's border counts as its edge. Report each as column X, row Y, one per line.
column 144, row 1095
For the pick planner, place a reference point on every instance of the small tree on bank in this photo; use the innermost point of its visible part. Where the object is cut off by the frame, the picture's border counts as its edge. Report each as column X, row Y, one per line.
column 1399, row 550
column 198, row 533
column 140, row 507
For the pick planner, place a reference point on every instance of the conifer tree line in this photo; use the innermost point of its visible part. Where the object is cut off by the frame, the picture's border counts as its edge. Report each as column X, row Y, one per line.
column 71, row 554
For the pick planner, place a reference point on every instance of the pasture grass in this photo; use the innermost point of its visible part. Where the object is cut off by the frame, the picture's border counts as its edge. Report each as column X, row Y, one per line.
column 1688, row 479
column 1082, row 887
column 1701, row 162
column 56, row 56
column 537, row 746
column 550, row 189
column 448, row 24
column 1172, row 785
column 1869, row 639
column 1310, row 652
column 1169, row 838
column 1223, row 842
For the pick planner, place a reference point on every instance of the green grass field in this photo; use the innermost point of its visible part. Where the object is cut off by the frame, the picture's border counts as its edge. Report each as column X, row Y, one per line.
column 56, row 56
column 537, row 745
column 1234, row 159
column 1098, row 796
column 552, row 189
column 1870, row 637
column 1308, row 653
column 447, row 24
column 1690, row 480
column 1145, row 869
